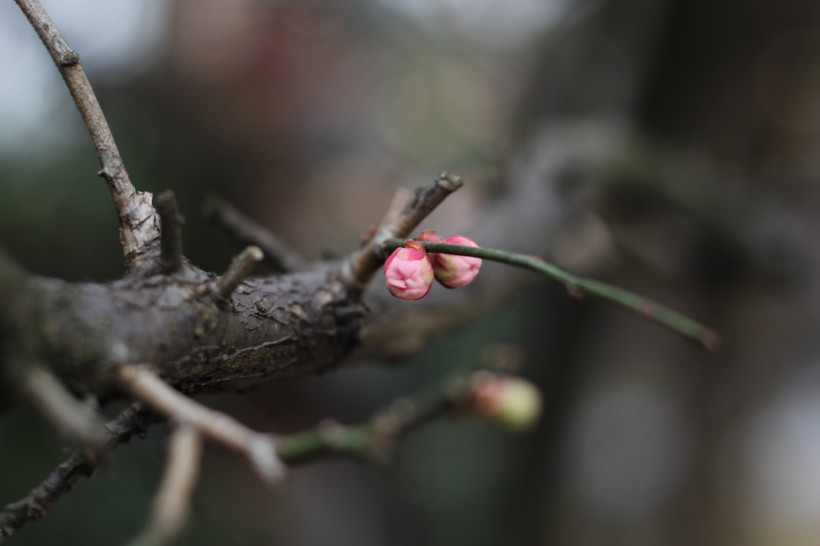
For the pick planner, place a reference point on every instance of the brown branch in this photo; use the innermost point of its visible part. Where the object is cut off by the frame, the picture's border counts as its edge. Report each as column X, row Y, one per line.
column 139, row 224
column 80, row 464
column 241, row 266
column 171, row 231
column 278, row 254
column 259, row 449
column 169, row 512
column 362, row 264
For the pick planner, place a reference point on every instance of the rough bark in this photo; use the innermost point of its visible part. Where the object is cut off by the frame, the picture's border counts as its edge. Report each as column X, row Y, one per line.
column 270, row 327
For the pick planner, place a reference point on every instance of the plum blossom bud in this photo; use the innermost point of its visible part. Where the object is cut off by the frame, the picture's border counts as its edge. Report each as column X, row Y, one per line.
column 509, row 401
column 454, row 271
column 409, row 272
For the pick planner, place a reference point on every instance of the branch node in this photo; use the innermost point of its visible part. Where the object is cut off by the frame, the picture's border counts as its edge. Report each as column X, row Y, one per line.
column 68, row 57
column 240, row 268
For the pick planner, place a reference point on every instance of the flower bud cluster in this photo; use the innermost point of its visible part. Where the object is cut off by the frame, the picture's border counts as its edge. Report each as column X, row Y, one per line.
column 410, row 270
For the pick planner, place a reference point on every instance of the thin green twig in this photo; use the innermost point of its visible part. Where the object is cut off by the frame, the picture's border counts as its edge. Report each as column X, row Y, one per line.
column 578, row 286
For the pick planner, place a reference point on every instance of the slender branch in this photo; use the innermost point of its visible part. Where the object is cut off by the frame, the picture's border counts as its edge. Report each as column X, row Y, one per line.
column 80, row 464
column 241, row 266
column 278, row 254
column 169, row 512
column 375, row 438
column 73, row 418
column 259, row 449
column 362, row 264
column 578, row 286
column 139, row 226
column 171, row 231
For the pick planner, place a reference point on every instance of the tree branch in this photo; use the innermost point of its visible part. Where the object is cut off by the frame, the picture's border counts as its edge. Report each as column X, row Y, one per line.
column 362, row 264
column 578, row 287
column 259, row 449
column 239, row 270
column 454, row 394
column 278, row 254
column 81, row 463
column 73, row 418
column 171, row 231
column 139, row 224
column 169, row 512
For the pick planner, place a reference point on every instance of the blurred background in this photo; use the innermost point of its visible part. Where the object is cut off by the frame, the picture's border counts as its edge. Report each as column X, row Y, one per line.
column 668, row 146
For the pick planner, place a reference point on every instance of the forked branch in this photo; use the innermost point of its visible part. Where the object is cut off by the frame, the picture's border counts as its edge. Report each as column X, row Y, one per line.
column 139, row 224
column 259, row 449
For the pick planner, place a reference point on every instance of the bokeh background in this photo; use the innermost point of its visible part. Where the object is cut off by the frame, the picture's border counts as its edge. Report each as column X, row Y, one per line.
column 307, row 115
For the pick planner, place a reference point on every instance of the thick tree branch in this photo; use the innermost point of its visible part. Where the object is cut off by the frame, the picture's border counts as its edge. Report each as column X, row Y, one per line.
column 139, row 223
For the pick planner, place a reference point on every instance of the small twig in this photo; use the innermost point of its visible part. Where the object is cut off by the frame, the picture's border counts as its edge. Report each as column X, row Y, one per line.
column 139, row 226
column 259, row 449
column 278, row 254
column 77, row 420
column 362, row 264
column 169, row 512
column 241, row 266
column 578, row 286
column 80, row 464
column 455, row 394
column 375, row 438
column 170, row 231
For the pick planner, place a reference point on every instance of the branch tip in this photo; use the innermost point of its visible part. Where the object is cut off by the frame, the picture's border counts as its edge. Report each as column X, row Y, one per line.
column 170, row 231
column 711, row 341
column 241, row 267
column 450, row 182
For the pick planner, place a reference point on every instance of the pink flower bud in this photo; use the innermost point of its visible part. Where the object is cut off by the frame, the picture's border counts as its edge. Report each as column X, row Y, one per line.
column 409, row 273
column 509, row 401
column 454, row 271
